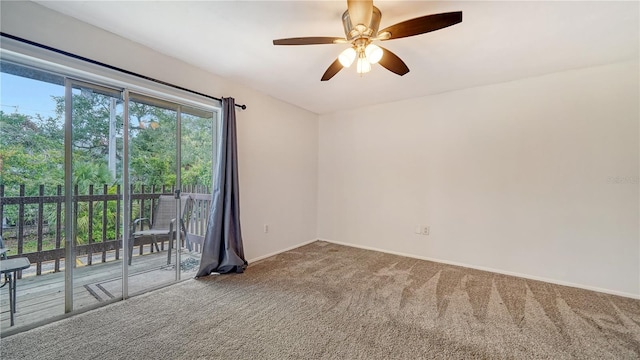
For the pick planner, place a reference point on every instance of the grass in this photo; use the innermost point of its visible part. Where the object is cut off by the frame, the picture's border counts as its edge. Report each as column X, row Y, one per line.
column 30, row 244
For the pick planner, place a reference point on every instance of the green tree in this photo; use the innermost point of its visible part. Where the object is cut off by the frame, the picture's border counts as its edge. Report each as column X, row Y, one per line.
column 153, row 145
column 32, row 154
column 197, row 151
column 90, row 118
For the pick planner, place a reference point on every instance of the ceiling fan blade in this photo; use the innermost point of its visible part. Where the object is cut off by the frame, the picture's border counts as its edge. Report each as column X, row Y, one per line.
column 393, row 63
column 332, row 70
column 423, row 24
column 309, row 41
column 360, row 12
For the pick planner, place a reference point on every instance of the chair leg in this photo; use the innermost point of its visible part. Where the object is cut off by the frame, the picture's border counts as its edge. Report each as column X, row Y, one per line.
column 155, row 243
column 169, row 250
column 188, row 243
column 12, row 300
column 131, row 246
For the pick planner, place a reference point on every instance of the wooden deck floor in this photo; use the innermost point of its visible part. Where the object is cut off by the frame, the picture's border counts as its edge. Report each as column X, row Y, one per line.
column 41, row 297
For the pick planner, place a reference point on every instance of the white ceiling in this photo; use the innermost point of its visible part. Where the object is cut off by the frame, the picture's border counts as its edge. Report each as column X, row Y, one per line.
column 496, row 42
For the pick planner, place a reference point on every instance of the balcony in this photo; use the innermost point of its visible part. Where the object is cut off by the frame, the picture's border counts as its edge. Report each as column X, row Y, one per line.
column 36, row 231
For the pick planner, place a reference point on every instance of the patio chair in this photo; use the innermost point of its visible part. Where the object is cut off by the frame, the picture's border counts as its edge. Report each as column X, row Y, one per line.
column 164, row 223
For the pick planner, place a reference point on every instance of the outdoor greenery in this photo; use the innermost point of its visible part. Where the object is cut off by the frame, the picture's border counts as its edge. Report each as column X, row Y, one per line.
column 32, row 154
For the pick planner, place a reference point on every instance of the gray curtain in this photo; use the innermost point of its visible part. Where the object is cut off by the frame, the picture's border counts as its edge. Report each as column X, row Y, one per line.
column 222, row 250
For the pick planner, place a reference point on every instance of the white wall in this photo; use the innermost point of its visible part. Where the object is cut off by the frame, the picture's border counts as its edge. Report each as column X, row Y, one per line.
column 537, row 177
column 278, row 143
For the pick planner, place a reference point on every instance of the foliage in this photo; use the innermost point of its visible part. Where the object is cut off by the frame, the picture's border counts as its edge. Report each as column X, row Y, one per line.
column 197, row 151
column 32, row 154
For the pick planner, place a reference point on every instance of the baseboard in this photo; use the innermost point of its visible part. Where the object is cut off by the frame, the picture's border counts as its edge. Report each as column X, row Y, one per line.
column 483, row 268
column 281, row 251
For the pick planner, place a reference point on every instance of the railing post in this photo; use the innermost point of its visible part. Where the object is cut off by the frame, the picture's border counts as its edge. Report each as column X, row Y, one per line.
column 118, row 216
column 90, row 225
column 40, row 226
column 21, row 222
column 142, row 204
column 154, row 203
column 1, row 208
column 59, row 201
column 105, row 207
column 71, row 262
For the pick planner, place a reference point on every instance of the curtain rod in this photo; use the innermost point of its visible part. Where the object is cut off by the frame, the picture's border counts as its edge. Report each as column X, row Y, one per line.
column 42, row 46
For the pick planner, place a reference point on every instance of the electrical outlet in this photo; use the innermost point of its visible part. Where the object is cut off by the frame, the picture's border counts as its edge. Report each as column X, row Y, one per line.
column 266, row 228
column 425, row 230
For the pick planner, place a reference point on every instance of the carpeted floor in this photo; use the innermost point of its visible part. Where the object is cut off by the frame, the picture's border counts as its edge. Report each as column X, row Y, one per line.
column 325, row 301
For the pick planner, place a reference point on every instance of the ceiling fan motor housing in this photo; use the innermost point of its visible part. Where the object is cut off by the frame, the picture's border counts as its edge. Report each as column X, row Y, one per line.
column 359, row 31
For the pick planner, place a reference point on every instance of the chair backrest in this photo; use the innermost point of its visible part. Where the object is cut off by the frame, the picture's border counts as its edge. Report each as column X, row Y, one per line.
column 166, row 211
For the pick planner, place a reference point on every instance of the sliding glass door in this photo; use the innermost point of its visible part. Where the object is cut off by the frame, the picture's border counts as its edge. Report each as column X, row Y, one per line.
column 170, row 173
column 154, row 178
column 94, row 157
column 198, row 129
column 32, row 170
column 105, row 190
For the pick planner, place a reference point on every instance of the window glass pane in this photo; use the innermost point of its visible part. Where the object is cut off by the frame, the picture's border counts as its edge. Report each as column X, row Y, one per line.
column 198, row 149
column 152, row 172
column 197, row 160
column 32, row 167
column 96, row 124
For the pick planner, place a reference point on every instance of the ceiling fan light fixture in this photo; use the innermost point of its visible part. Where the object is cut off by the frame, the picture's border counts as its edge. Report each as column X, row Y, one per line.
column 361, row 23
column 363, row 65
column 373, row 53
column 346, row 57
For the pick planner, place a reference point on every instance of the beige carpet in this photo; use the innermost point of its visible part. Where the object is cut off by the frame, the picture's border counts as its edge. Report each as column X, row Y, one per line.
column 325, row 301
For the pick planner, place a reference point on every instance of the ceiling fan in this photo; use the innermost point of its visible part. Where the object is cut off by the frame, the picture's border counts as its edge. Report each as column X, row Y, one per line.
column 361, row 22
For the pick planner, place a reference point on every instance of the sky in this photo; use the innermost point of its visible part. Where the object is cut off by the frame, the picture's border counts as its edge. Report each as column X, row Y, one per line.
column 27, row 96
